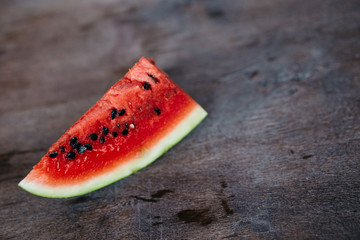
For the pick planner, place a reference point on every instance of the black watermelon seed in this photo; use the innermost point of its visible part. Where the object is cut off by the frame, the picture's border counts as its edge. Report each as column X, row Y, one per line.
column 81, row 149
column 126, row 125
column 125, row 132
column 62, row 149
column 71, row 155
column 73, row 141
column 115, row 134
column 118, row 125
column 53, row 154
column 93, row 136
column 113, row 114
column 154, row 78
column 122, row 112
column 146, row 86
column 157, row 110
column 102, row 139
column 77, row 145
column 105, row 131
column 88, row 146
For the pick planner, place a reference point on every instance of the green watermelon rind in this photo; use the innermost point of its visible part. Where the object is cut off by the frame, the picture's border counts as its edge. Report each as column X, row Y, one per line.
column 147, row 157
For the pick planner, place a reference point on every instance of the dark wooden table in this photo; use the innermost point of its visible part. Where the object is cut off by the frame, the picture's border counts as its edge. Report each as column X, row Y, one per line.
column 277, row 158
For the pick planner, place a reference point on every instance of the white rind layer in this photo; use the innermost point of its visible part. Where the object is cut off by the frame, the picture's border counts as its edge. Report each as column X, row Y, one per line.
column 147, row 157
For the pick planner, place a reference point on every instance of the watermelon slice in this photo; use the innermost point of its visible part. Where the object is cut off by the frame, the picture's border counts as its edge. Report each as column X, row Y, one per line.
column 136, row 121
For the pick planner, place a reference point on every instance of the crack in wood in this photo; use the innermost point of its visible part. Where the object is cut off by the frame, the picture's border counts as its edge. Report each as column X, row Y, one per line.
column 143, row 199
column 160, row 193
column 201, row 216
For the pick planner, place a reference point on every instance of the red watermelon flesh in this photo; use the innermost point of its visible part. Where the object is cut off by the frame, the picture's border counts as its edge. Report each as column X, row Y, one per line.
column 136, row 121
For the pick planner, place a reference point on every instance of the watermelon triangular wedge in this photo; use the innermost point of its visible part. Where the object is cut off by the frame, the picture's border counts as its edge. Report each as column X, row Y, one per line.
column 136, row 121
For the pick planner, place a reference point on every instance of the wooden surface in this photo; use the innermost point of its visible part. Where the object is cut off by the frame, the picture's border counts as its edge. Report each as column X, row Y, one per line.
column 277, row 158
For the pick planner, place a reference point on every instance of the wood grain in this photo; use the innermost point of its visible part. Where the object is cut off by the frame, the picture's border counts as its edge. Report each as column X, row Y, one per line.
column 277, row 157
